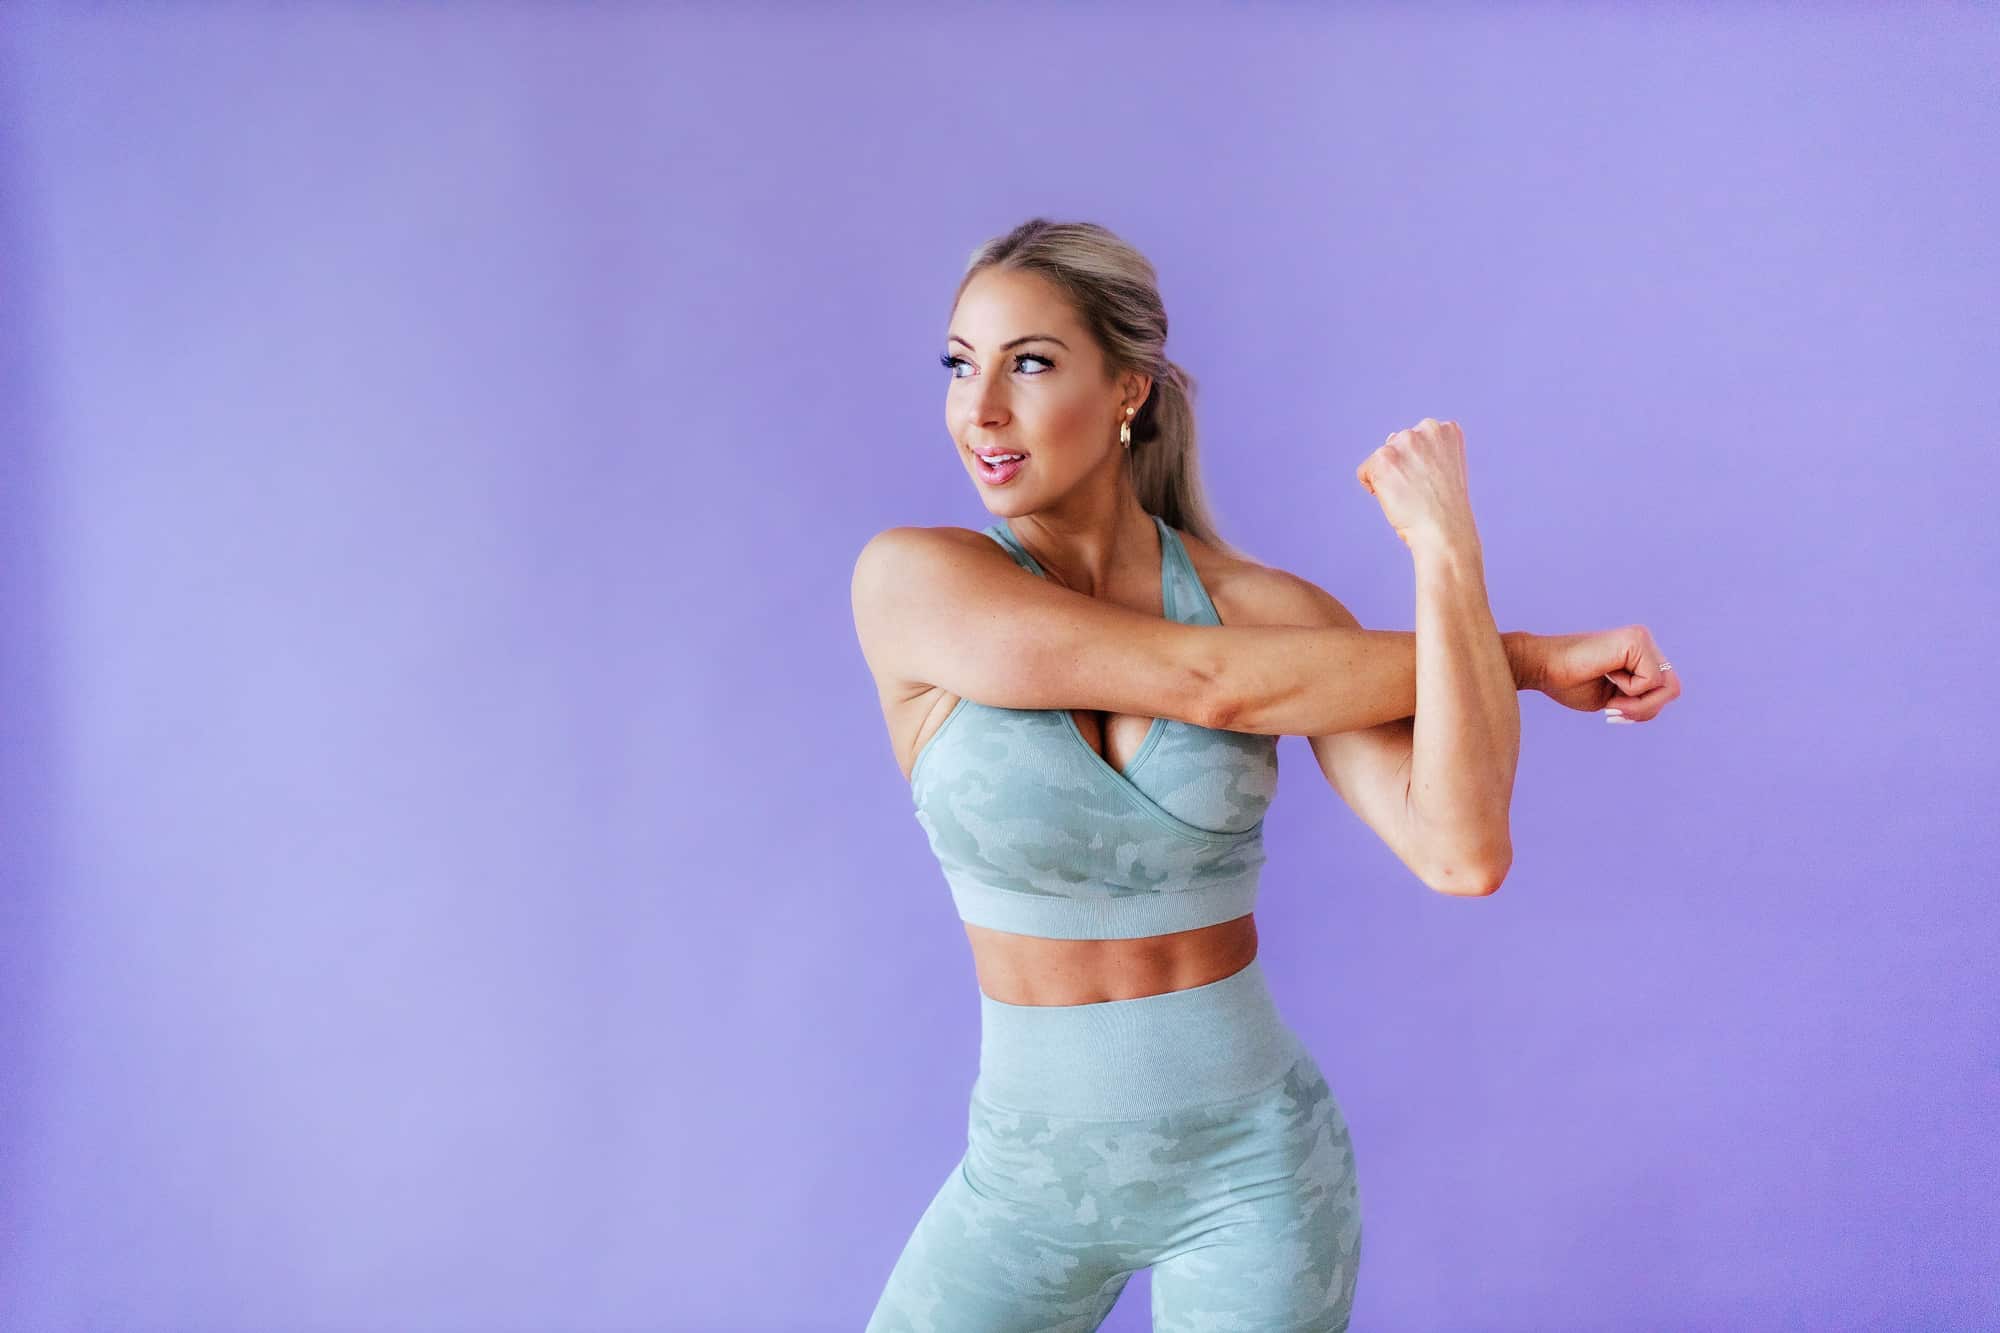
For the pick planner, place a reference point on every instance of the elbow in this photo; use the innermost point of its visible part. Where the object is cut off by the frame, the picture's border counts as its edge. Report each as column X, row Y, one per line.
column 1476, row 875
column 1221, row 715
column 1221, row 709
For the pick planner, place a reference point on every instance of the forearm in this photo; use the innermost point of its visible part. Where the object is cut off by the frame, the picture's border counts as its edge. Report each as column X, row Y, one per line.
column 1301, row 680
column 1467, row 733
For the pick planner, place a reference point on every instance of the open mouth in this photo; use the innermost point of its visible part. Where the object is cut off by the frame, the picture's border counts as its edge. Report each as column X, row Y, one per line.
column 1001, row 466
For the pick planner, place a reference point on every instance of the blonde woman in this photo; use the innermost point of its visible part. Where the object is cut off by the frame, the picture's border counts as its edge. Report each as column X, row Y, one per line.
column 1086, row 697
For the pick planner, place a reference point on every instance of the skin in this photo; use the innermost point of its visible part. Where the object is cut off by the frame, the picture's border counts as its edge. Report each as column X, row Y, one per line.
column 1444, row 783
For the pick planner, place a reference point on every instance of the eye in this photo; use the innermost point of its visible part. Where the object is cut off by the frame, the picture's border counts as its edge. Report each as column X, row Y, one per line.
column 950, row 362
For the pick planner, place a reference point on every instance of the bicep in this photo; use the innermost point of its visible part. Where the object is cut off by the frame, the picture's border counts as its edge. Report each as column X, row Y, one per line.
column 933, row 609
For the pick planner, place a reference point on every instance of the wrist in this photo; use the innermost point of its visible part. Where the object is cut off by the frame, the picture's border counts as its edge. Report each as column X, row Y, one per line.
column 1524, row 657
column 1459, row 548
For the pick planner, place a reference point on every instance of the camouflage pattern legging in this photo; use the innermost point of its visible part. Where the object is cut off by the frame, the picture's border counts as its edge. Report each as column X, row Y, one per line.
column 1097, row 1145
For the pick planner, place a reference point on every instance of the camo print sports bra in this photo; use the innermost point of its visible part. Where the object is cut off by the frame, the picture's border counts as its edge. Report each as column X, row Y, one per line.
column 1038, row 834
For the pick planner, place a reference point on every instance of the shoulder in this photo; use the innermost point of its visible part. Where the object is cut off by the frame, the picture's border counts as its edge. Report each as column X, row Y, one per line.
column 904, row 567
column 1246, row 592
column 894, row 552
column 912, row 537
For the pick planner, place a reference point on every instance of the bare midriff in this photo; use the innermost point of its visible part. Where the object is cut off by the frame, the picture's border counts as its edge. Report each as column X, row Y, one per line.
column 1028, row 969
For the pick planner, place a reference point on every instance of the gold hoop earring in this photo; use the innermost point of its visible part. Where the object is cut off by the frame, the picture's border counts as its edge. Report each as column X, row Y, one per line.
column 1125, row 428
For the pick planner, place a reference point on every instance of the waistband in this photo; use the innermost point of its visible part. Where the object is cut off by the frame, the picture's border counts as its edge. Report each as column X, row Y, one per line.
column 1129, row 1059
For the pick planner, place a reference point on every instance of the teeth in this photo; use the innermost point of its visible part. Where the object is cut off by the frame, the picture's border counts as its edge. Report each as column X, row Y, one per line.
column 1001, row 458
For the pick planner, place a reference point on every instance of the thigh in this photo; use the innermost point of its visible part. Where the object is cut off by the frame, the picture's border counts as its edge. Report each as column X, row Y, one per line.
column 1284, row 1248
column 978, row 1263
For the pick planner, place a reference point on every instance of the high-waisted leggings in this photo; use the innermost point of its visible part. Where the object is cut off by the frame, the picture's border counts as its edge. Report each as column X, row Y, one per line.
column 1189, row 1132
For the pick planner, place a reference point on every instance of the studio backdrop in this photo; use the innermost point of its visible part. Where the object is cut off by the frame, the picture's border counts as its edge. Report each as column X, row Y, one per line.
column 456, row 873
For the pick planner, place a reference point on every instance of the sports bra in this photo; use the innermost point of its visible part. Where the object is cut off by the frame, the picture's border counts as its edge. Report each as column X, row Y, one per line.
column 1038, row 834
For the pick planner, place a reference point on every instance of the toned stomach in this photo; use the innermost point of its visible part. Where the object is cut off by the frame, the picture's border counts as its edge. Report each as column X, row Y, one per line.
column 1027, row 969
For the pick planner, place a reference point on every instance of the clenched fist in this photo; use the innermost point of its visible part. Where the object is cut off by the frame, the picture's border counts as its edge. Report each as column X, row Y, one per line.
column 1621, row 667
column 1418, row 477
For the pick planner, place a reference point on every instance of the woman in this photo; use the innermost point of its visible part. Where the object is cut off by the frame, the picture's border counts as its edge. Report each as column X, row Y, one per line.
column 1086, row 697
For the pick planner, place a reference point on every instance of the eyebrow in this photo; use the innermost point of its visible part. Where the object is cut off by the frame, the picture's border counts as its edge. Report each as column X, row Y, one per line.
column 1027, row 338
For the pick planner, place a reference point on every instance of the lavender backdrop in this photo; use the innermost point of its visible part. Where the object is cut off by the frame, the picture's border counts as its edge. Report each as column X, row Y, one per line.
column 456, row 876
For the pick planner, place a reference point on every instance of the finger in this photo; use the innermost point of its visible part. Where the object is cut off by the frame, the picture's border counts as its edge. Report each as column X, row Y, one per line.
column 1663, row 681
column 1641, row 685
column 1635, row 685
column 1644, row 705
column 1640, row 671
column 1640, row 707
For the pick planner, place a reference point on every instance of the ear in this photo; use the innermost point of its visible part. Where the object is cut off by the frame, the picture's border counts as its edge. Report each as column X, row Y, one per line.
column 1134, row 388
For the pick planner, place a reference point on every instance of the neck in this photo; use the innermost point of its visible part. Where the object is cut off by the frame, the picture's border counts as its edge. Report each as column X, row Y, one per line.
column 1095, row 556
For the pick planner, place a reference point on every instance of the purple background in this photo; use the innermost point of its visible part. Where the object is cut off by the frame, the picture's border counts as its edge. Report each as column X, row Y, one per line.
column 456, row 875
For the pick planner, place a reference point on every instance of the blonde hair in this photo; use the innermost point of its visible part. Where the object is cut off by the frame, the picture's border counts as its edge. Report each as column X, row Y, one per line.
column 1115, row 293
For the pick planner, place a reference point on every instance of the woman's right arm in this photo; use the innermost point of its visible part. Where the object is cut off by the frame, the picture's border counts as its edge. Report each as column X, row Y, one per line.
column 948, row 607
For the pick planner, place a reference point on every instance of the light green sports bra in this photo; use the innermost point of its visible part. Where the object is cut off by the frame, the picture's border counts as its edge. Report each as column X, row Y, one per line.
column 1038, row 834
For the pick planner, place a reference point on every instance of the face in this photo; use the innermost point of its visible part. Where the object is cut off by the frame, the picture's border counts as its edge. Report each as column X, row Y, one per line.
column 1027, row 379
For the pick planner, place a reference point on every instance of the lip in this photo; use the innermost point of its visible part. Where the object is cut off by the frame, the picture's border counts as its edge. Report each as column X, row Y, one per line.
column 1006, row 473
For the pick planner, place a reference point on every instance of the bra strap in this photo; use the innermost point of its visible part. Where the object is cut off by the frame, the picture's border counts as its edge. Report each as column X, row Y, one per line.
column 999, row 532
column 1195, row 603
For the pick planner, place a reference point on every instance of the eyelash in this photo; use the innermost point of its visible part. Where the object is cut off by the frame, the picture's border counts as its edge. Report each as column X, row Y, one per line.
column 948, row 361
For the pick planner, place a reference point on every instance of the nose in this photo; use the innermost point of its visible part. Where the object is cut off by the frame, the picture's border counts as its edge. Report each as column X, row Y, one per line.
column 989, row 404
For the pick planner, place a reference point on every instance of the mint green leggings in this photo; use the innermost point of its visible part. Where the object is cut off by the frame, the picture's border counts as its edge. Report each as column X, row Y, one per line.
column 1189, row 1132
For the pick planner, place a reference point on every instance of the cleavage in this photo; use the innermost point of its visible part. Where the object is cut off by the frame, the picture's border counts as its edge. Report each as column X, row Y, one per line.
column 1115, row 736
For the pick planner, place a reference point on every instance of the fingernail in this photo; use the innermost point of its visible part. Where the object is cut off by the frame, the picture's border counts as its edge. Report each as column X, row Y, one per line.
column 1620, row 721
column 1614, row 712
